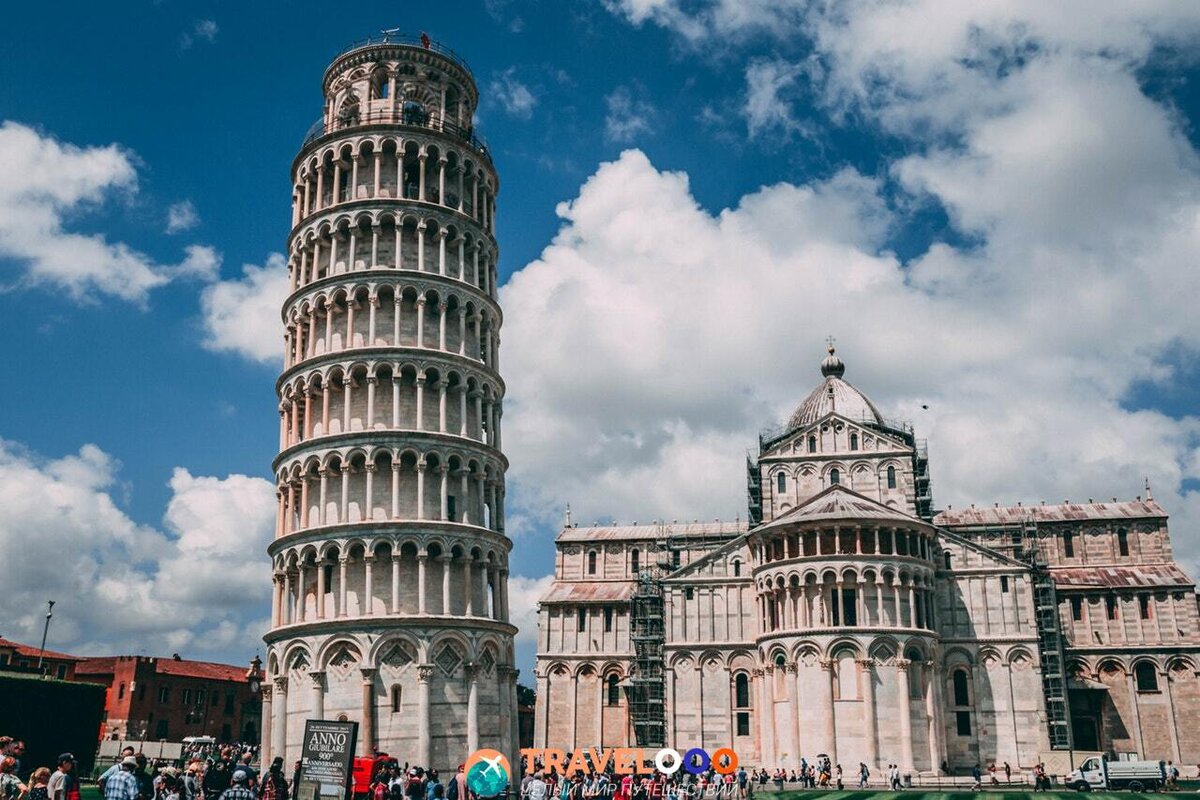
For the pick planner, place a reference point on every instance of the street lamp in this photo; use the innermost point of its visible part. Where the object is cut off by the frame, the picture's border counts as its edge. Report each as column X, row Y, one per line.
column 45, row 632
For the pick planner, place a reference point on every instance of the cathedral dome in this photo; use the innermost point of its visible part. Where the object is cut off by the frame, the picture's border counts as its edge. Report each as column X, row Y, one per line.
column 834, row 394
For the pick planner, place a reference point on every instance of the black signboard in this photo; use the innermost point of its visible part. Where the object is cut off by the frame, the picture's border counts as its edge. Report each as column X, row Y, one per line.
column 326, row 760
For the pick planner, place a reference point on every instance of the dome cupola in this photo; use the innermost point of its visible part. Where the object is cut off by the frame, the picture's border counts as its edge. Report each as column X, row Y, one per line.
column 834, row 395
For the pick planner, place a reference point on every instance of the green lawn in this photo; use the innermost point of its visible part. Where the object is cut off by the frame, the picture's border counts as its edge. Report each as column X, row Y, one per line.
column 921, row 794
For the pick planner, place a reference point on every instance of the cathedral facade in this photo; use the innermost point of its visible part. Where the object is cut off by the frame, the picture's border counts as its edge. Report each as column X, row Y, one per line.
column 847, row 618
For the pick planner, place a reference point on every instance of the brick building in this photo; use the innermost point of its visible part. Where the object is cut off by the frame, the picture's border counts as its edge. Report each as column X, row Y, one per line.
column 170, row 698
column 17, row 657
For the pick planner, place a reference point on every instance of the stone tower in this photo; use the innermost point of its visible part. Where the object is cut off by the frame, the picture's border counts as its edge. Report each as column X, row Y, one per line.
column 390, row 559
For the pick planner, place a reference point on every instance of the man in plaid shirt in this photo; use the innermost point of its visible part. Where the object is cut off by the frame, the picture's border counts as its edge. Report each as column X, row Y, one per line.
column 122, row 785
column 238, row 790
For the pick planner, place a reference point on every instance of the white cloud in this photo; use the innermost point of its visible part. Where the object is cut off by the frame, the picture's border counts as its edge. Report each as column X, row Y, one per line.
column 652, row 339
column 201, row 30
column 121, row 586
column 43, row 182
column 523, row 596
column 242, row 316
column 628, row 115
column 514, row 96
column 182, row 216
column 765, row 107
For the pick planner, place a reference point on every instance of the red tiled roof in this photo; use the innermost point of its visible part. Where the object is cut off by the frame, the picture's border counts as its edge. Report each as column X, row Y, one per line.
column 184, row 668
column 1136, row 577
column 28, row 651
column 1066, row 512
column 588, row 592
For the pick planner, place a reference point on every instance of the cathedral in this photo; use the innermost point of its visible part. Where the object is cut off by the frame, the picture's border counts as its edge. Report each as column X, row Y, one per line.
column 847, row 617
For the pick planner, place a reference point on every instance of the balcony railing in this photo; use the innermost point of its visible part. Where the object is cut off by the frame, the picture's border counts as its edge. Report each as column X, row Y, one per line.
column 403, row 117
column 406, row 40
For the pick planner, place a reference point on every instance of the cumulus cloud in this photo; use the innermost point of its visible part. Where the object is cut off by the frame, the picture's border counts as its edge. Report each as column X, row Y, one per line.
column 654, row 339
column 43, row 183
column 514, row 96
column 523, row 596
column 120, row 585
column 182, row 216
column 242, row 315
column 628, row 114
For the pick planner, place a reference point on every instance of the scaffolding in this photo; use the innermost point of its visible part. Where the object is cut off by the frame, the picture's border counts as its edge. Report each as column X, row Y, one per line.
column 1050, row 642
column 754, row 491
column 647, row 682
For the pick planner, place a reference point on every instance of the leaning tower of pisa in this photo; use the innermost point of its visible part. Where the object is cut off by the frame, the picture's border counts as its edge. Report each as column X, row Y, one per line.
column 390, row 559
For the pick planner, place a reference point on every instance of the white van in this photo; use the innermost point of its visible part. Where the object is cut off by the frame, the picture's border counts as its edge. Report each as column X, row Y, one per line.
column 1100, row 773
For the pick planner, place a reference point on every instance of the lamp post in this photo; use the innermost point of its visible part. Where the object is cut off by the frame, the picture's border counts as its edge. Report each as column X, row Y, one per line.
column 45, row 632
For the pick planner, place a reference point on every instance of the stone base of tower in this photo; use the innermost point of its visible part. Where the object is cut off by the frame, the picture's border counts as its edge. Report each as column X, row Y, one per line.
column 427, row 696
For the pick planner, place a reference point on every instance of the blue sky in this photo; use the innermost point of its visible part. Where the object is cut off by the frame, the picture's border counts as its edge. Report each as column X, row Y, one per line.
column 995, row 211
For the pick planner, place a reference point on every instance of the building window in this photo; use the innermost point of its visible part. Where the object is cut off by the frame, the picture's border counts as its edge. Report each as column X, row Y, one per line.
column 1004, row 583
column 608, row 618
column 216, row 697
column 451, row 508
column 187, row 696
column 834, row 477
column 675, row 556
column 397, row 702
column 230, row 698
column 1123, row 542
column 891, row 477
column 737, row 569
column 635, row 561
column 328, row 570
column 946, row 557
column 812, row 444
column 142, row 692
column 199, row 698
column 61, row 672
column 781, row 482
column 741, row 691
column 592, row 562
column 581, row 619
column 1110, row 606
column 1076, row 608
column 1069, row 544
column 743, row 723
column 1146, row 677
column 164, row 694
column 854, row 441
column 689, row 593
column 1144, row 605
column 121, row 692
column 962, row 694
column 614, row 690
column 962, row 722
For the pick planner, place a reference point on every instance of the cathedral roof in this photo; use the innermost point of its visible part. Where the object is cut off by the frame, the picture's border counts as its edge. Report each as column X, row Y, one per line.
column 1064, row 512
column 1140, row 576
column 588, row 592
column 651, row 531
column 834, row 395
column 836, row 503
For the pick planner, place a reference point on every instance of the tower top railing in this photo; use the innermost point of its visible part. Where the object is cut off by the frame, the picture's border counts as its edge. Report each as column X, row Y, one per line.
column 402, row 117
column 405, row 40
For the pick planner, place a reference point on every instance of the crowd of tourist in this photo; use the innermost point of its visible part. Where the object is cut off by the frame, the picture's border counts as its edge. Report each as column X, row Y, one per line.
column 224, row 773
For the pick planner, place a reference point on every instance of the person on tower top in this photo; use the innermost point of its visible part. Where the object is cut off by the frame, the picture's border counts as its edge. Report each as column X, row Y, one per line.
column 425, row 40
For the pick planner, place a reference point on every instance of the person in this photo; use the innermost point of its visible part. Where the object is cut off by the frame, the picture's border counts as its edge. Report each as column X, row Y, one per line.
column 144, row 780
column 15, row 750
column 191, row 781
column 457, row 790
column 433, row 786
column 126, row 752
column 425, row 42
column 1172, row 776
column 11, row 787
column 217, row 776
column 59, row 782
column 977, row 774
column 123, row 785
column 742, row 781
column 1007, row 772
column 37, row 782
column 238, row 790
column 864, row 774
column 274, row 785
column 251, row 772
column 894, row 777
